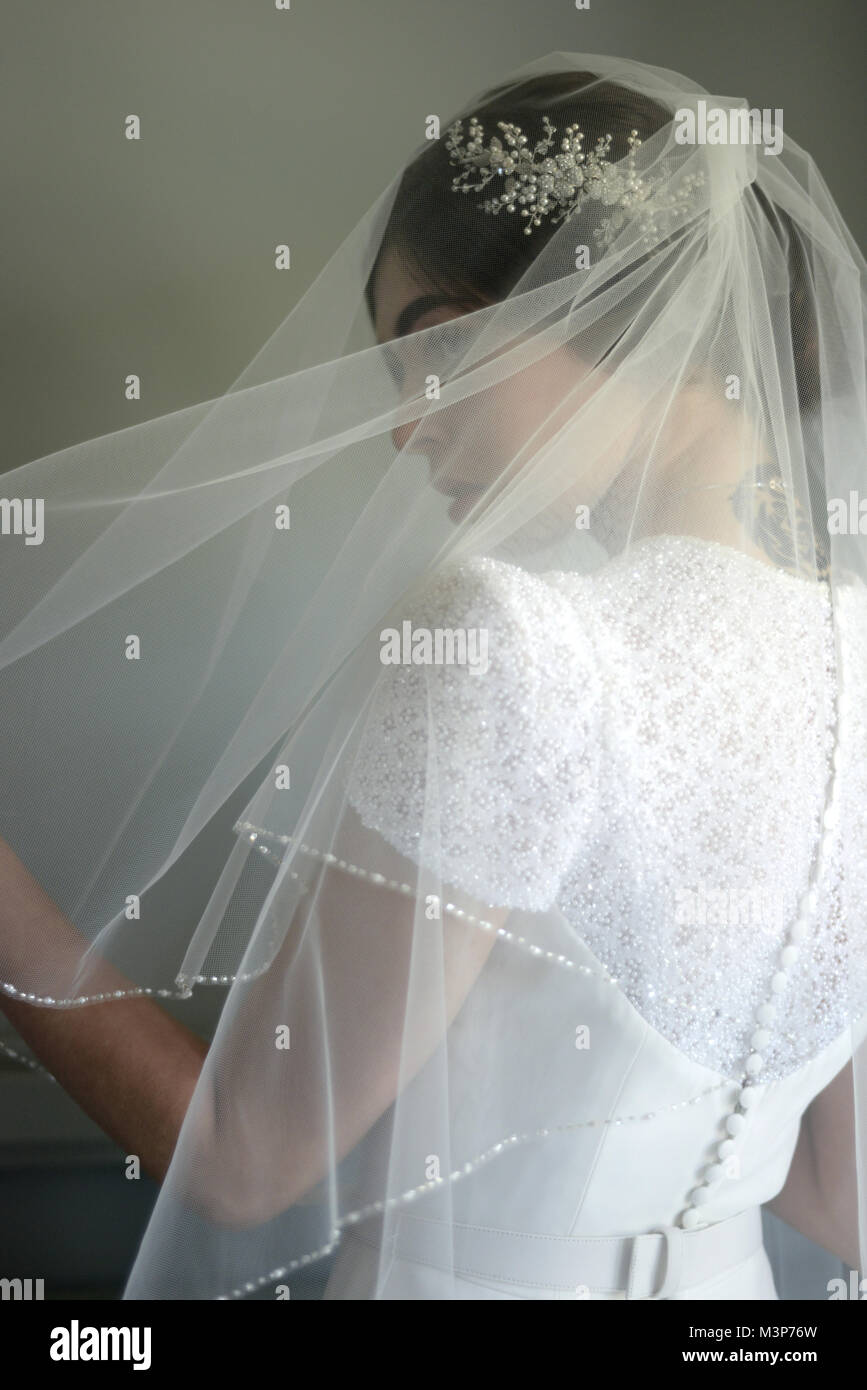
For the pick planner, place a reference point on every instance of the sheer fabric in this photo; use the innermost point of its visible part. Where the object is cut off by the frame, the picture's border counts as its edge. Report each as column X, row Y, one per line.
column 544, row 917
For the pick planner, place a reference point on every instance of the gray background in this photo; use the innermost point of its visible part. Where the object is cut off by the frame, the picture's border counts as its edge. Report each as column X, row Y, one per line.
column 157, row 257
column 261, row 127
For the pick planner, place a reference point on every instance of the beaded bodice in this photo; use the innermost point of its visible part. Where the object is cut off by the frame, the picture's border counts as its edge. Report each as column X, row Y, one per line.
column 650, row 753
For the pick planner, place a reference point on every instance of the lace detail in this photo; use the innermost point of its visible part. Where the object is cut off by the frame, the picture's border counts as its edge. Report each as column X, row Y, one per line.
column 648, row 752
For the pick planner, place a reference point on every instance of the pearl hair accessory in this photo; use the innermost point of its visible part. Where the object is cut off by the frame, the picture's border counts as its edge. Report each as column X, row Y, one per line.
column 538, row 184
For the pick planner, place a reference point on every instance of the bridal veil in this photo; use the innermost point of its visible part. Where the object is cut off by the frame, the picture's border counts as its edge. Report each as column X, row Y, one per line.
column 319, row 600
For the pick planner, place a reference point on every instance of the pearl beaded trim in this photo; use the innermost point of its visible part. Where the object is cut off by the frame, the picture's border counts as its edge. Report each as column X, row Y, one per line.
column 25, row 1061
column 263, row 840
column 137, row 991
column 259, row 837
column 404, row 1198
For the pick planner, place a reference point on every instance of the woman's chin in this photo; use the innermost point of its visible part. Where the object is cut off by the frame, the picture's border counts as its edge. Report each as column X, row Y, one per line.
column 464, row 503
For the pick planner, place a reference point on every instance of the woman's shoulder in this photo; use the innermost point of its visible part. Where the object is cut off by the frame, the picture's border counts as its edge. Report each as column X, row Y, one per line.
column 485, row 716
column 495, row 587
column 526, row 624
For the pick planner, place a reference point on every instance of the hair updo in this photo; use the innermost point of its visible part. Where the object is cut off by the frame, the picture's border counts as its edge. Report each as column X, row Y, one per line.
column 478, row 259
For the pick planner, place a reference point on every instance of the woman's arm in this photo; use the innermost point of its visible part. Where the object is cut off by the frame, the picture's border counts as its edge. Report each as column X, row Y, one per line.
column 267, row 1125
column 820, row 1196
column 130, row 1066
column 133, row 1068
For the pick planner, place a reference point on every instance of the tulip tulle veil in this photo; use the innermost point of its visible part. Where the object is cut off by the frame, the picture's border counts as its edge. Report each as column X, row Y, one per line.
column 563, row 942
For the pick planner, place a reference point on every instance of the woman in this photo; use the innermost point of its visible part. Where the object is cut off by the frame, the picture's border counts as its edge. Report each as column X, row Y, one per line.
column 544, row 923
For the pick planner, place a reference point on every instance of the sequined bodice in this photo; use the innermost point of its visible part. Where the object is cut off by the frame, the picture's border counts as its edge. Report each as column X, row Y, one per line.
column 648, row 754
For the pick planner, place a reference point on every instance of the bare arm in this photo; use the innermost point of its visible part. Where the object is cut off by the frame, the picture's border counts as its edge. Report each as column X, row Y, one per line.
column 820, row 1196
column 130, row 1066
column 353, row 982
column 133, row 1068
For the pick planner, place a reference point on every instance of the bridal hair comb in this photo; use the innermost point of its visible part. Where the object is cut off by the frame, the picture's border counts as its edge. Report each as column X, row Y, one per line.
column 558, row 185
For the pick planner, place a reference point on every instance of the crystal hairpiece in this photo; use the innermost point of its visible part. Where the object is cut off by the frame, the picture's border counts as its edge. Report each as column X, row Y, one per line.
column 558, row 185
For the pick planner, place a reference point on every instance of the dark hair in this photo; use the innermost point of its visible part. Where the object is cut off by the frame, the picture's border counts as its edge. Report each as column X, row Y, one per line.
column 429, row 223
column 478, row 260
column 802, row 316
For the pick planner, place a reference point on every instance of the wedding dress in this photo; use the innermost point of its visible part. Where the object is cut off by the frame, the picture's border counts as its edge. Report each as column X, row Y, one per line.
column 526, row 830
column 669, row 711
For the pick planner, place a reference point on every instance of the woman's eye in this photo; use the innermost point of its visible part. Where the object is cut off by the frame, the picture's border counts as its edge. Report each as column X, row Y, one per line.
column 444, row 338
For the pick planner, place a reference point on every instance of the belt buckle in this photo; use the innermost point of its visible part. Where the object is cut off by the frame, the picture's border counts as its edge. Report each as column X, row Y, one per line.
column 645, row 1249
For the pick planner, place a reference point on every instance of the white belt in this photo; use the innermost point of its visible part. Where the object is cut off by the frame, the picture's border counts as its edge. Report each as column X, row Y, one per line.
column 652, row 1265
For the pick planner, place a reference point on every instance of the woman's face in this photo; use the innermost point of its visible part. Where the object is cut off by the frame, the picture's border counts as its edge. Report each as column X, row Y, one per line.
column 470, row 443
column 535, row 399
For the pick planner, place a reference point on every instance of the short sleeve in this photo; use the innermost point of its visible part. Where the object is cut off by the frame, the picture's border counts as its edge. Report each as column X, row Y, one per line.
column 502, row 760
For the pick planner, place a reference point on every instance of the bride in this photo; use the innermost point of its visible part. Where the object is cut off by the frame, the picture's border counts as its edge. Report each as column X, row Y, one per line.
column 546, row 972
